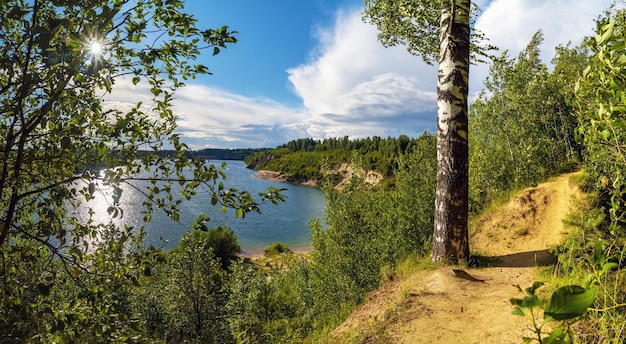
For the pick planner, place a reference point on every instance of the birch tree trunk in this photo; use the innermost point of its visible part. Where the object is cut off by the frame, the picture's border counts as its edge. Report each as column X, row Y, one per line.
column 450, row 238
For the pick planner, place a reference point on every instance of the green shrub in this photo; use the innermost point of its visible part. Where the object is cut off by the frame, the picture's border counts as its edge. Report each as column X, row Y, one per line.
column 184, row 297
column 598, row 249
column 522, row 128
column 223, row 241
column 276, row 249
column 368, row 229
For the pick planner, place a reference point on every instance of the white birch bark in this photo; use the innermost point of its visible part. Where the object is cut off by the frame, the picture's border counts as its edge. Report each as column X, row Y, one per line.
column 450, row 237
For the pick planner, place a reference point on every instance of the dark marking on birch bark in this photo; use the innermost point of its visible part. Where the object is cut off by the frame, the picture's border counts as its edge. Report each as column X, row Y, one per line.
column 450, row 237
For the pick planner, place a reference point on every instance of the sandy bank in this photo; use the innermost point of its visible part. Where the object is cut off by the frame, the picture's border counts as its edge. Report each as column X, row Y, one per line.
column 254, row 255
column 282, row 178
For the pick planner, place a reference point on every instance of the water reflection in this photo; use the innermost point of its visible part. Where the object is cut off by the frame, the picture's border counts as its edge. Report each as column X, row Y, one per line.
column 287, row 222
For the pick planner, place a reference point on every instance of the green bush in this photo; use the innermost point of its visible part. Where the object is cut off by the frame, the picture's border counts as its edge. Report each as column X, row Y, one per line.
column 184, row 297
column 601, row 233
column 369, row 229
column 522, row 128
column 223, row 241
column 276, row 249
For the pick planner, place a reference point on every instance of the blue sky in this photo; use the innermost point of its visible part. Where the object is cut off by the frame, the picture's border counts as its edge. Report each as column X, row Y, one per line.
column 313, row 68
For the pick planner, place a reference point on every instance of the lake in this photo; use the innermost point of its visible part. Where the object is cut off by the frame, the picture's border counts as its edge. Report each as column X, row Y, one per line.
column 286, row 222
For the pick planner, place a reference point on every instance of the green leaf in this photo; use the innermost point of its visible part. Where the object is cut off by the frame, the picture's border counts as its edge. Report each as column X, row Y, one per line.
column 608, row 32
column 569, row 302
column 535, row 286
column 609, row 266
column 136, row 80
column 239, row 213
column 555, row 337
column 531, row 301
column 518, row 311
column 515, row 302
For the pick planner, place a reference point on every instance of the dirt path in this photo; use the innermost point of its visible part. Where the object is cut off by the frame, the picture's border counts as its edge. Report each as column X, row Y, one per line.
column 436, row 306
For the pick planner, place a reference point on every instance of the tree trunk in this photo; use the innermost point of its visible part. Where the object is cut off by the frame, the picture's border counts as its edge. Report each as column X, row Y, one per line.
column 450, row 238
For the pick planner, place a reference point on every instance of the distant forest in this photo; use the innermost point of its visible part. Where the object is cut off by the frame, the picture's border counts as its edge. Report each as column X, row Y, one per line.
column 216, row 153
column 303, row 158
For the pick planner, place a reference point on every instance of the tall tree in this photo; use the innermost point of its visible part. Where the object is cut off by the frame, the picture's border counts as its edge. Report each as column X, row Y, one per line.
column 439, row 29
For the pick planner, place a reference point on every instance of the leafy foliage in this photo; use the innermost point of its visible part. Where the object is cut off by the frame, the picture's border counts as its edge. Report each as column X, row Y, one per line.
column 416, row 25
column 67, row 277
column 223, row 242
column 602, row 115
column 567, row 304
column 589, row 255
column 276, row 248
column 183, row 295
column 594, row 251
column 522, row 124
column 368, row 230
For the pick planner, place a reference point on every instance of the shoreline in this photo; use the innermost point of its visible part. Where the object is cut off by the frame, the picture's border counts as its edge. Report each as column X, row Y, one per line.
column 254, row 255
column 370, row 177
column 282, row 178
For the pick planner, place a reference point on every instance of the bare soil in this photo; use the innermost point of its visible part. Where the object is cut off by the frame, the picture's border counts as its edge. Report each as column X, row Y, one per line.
column 436, row 306
column 345, row 169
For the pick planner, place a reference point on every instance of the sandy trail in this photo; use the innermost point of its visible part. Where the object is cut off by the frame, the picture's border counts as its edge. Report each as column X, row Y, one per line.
column 435, row 306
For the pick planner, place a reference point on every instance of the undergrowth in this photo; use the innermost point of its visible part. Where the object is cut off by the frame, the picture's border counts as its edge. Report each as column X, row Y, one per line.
column 594, row 257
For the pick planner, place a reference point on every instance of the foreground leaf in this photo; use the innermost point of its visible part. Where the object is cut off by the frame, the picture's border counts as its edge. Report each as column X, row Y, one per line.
column 569, row 302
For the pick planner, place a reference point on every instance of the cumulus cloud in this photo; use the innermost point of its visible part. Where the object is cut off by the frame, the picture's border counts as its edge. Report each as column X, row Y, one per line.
column 211, row 117
column 351, row 85
column 510, row 24
column 213, row 113
column 354, row 86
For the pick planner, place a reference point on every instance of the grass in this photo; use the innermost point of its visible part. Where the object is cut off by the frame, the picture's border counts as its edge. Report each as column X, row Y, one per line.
column 581, row 257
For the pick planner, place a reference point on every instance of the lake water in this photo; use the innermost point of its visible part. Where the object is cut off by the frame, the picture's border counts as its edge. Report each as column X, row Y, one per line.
column 286, row 222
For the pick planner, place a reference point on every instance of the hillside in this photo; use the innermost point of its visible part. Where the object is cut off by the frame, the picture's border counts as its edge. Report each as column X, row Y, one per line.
column 343, row 172
column 310, row 161
column 435, row 306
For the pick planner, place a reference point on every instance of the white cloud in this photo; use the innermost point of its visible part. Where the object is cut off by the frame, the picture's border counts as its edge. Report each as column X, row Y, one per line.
column 210, row 117
column 229, row 120
column 204, row 108
column 510, row 24
column 353, row 86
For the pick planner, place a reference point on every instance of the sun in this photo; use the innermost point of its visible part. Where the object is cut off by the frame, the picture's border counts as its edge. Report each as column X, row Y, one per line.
column 96, row 48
